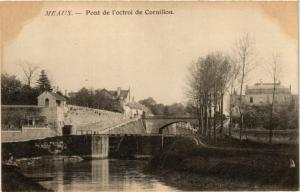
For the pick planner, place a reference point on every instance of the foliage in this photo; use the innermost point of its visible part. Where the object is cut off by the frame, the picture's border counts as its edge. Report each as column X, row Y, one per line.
column 284, row 117
column 148, row 102
column 175, row 109
column 43, row 83
column 98, row 99
column 13, row 92
column 208, row 80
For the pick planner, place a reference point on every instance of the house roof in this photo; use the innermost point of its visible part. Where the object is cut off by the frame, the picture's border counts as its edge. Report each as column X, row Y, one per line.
column 55, row 95
column 123, row 93
column 267, row 88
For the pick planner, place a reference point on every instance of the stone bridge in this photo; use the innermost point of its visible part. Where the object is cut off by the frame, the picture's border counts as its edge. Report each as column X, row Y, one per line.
column 157, row 124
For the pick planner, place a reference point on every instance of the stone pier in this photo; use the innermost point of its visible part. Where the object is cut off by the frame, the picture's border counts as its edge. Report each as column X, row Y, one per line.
column 99, row 146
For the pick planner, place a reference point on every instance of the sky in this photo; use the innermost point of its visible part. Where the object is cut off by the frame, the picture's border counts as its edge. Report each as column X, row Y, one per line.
column 150, row 54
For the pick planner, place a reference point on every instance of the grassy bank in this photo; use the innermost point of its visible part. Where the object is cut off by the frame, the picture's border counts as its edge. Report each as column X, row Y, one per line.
column 263, row 167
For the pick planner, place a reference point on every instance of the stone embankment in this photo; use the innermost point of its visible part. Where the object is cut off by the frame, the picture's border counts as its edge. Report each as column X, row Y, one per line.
column 88, row 120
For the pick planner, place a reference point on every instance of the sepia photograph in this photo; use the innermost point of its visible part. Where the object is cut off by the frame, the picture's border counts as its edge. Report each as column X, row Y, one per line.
column 149, row 96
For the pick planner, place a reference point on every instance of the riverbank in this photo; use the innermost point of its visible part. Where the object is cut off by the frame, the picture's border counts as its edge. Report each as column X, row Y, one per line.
column 258, row 168
column 14, row 180
column 12, row 169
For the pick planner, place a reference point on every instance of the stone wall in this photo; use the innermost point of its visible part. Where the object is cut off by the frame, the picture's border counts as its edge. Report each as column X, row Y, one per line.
column 26, row 134
column 13, row 117
column 93, row 120
column 26, row 122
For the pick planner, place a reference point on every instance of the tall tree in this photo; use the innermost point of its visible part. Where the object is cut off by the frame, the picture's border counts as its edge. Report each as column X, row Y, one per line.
column 245, row 58
column 43, row 83
column 232, row 84
column 29, row 71
column 13, row 92
column 10, row 88
column 207, row 80
column 274, row 71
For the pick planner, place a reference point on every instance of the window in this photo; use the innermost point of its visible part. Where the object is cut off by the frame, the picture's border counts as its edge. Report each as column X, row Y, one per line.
column 46, row 102
column 251, row 99
column 58, row 102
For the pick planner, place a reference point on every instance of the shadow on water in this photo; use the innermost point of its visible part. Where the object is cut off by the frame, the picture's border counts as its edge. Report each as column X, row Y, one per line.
column 97, row 175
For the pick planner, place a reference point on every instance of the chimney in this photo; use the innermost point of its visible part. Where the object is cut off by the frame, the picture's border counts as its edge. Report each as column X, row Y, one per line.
column 118, row 91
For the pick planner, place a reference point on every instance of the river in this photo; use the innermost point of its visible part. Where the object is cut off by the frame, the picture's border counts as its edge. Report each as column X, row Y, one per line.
column 97, row 175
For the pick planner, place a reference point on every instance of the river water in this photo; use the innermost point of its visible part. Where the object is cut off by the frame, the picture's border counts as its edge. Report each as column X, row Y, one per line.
column 97, row 175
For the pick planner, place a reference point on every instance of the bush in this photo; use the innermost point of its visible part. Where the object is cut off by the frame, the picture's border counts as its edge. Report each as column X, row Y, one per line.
column 283, row 117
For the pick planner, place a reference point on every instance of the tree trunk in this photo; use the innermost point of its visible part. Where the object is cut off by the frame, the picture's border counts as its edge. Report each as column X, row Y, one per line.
column 209, row 119
column 222, row 126
column 271, row 115
column 202, row 115
column 205, row 114
column 241, row 91
column 215, row 117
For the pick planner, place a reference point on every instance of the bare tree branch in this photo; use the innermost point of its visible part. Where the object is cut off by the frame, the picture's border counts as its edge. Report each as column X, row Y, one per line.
column 28, row 71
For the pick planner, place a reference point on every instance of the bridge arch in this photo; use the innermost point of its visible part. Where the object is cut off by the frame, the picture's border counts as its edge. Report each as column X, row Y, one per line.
column 155, row 124
column 166, row 126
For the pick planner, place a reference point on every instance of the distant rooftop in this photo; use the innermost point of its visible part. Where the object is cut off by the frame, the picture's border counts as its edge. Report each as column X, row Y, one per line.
column 123, row 93
column 267, row 88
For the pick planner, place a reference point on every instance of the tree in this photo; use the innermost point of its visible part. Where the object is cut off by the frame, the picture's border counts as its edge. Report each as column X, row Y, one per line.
column 274, row 70
column 81, row 97
column 148, row 102
column 10, row 88
column 28, row 70
column 245, row 56
column 13, row 92
column 207, row 81
column 43, row 83
column 176, row 109
column 232, row 84
column 99, row 99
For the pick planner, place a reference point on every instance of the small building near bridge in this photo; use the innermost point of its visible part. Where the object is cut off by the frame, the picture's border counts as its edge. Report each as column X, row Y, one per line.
column 50, row 99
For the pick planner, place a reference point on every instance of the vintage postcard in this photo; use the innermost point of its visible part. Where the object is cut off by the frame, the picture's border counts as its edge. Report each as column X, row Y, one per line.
column 149, row 96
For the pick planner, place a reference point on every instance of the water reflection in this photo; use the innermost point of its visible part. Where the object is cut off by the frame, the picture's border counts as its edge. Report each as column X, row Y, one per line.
column 97, row 175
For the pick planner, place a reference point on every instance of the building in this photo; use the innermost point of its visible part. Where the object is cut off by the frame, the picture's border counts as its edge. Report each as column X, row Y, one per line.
column 121, row 95
column 261, row 94
column 55, row 108
column 51, row 99
column 26, row 122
